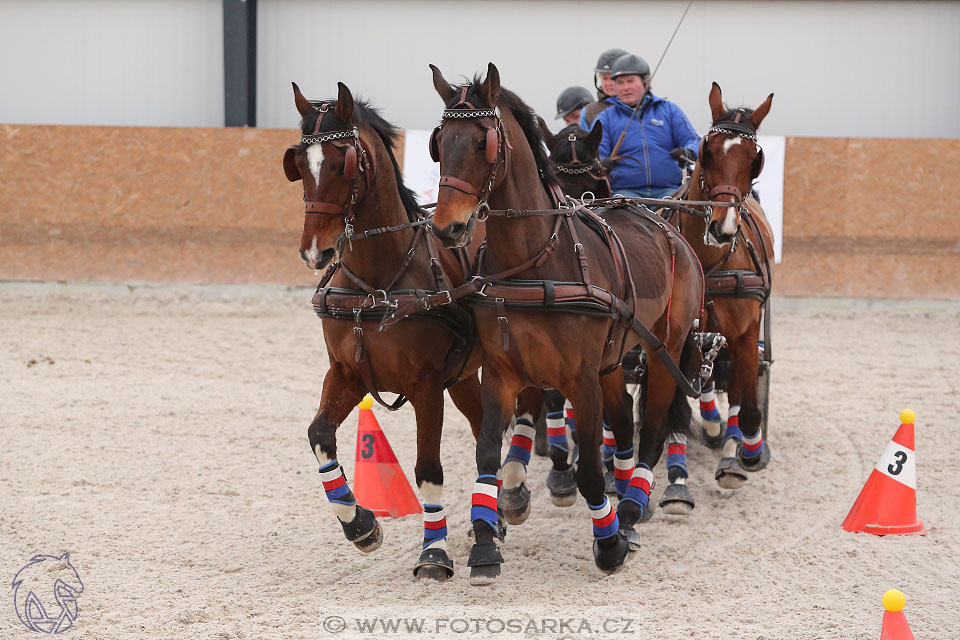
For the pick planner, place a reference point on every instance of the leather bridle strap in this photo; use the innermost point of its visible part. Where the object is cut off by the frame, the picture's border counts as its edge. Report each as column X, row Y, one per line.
column 317, row 206
column 460, row 185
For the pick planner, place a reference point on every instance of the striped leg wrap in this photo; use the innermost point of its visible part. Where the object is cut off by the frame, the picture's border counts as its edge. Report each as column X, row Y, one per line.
column 557, row 431
column 605, row 520
column 434, row 527
column 733, row 425
column 708, row 405
column 335, row 484
column 609, row 443
column 677, row 456
column 752, row 445
column 623, row 470
column 568, row 413
column 640, row 483
column 485, row 501
column 522, row 442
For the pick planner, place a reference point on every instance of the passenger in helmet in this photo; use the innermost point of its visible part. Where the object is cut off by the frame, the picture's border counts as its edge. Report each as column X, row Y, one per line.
column 570, row 102
column 645, row 165
column 606, row 87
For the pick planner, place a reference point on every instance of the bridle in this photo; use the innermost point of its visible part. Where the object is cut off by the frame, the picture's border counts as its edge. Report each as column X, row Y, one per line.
column 495, row 153
column 741, row 130
column 575, row 167
column 355, row 162
column 735, row 128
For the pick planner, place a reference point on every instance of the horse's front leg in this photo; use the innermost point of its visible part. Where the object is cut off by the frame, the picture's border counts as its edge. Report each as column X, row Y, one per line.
column 561, row 480
column 498, row 394
column 434, row 563
column 515, row 496
column 341, row 392
column 754, row 453
column 743, row 446
column 610, row 547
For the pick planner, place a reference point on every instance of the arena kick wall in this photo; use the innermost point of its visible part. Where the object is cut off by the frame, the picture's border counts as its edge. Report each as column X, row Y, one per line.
column 862, row 217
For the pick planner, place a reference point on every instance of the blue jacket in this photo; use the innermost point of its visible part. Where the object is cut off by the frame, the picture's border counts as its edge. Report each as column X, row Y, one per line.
column 646, row 161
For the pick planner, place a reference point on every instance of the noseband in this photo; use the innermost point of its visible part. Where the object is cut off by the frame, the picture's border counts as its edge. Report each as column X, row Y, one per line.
column 495, row 153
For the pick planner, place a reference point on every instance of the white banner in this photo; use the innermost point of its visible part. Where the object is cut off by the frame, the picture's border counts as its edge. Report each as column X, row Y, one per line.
column 422, row 175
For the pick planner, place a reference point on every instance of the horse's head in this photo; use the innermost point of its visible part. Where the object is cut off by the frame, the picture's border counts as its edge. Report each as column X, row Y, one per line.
column 331, row 161
column 576, row 157
column 729, row 161
column 471, row 147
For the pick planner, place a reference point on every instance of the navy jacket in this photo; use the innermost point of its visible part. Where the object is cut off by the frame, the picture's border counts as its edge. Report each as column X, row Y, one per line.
column 646, row 161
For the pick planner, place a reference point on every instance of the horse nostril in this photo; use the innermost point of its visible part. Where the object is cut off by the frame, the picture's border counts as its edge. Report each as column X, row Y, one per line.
column 456, row 230
column 714, row 228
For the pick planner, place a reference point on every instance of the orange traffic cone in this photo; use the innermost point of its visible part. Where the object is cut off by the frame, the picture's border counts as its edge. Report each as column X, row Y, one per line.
column 379, row 483
column 895, row 625
column 888, row 502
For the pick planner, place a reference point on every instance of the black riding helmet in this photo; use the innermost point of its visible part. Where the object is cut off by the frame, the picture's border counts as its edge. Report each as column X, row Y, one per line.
column 606, row 60
column 604, row 64
column 630, row 65
column 572, row 98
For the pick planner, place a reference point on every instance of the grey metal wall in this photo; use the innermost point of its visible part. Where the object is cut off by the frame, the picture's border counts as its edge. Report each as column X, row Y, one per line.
column 846, row 68
column 878, row 69
column 111, row 62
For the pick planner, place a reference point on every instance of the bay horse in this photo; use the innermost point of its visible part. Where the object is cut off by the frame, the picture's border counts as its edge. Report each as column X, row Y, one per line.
column 492, row 159
column 575, row 155
column 735, row 246
column 361, row 219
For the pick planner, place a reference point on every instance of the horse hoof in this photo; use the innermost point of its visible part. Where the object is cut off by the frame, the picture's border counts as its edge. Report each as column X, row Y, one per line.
column 611, row 559
column 677, row 500
column 633, row 538
column 759, row 463
column 484, row 563
column 515, row 504
column 434, row 564
column 562, row 486
column 363, row 531
column 611, row 483
column 730, row 475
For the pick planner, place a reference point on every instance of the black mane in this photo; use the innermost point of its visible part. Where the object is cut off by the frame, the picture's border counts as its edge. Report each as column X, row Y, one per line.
column 527, row 120
column 730, row 114
column 365, row 115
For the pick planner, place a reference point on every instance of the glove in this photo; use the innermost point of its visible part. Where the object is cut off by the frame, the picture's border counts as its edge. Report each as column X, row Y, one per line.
column 609, row 163
column 684, row 156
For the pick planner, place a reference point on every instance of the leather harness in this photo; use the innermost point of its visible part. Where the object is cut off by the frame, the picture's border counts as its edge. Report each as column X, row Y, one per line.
column 582, row 297
column 369, row 303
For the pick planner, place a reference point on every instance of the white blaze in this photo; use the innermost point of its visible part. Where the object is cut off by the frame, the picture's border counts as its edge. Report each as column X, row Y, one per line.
column 315, row 158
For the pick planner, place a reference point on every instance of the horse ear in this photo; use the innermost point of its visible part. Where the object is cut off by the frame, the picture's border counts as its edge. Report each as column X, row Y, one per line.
column 545, row 132
column 491, row 85
column 303, row 105
column 444, row 88
column 716, row 102
column 761, row 112
column 594, row 137
column 344, row 108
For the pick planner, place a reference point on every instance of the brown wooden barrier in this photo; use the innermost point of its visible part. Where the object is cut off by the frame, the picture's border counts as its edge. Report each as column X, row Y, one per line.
column 862, row 217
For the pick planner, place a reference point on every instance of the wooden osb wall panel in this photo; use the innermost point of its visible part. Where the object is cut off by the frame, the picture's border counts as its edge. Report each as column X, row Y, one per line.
column 862, row 217
column 871, row 218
